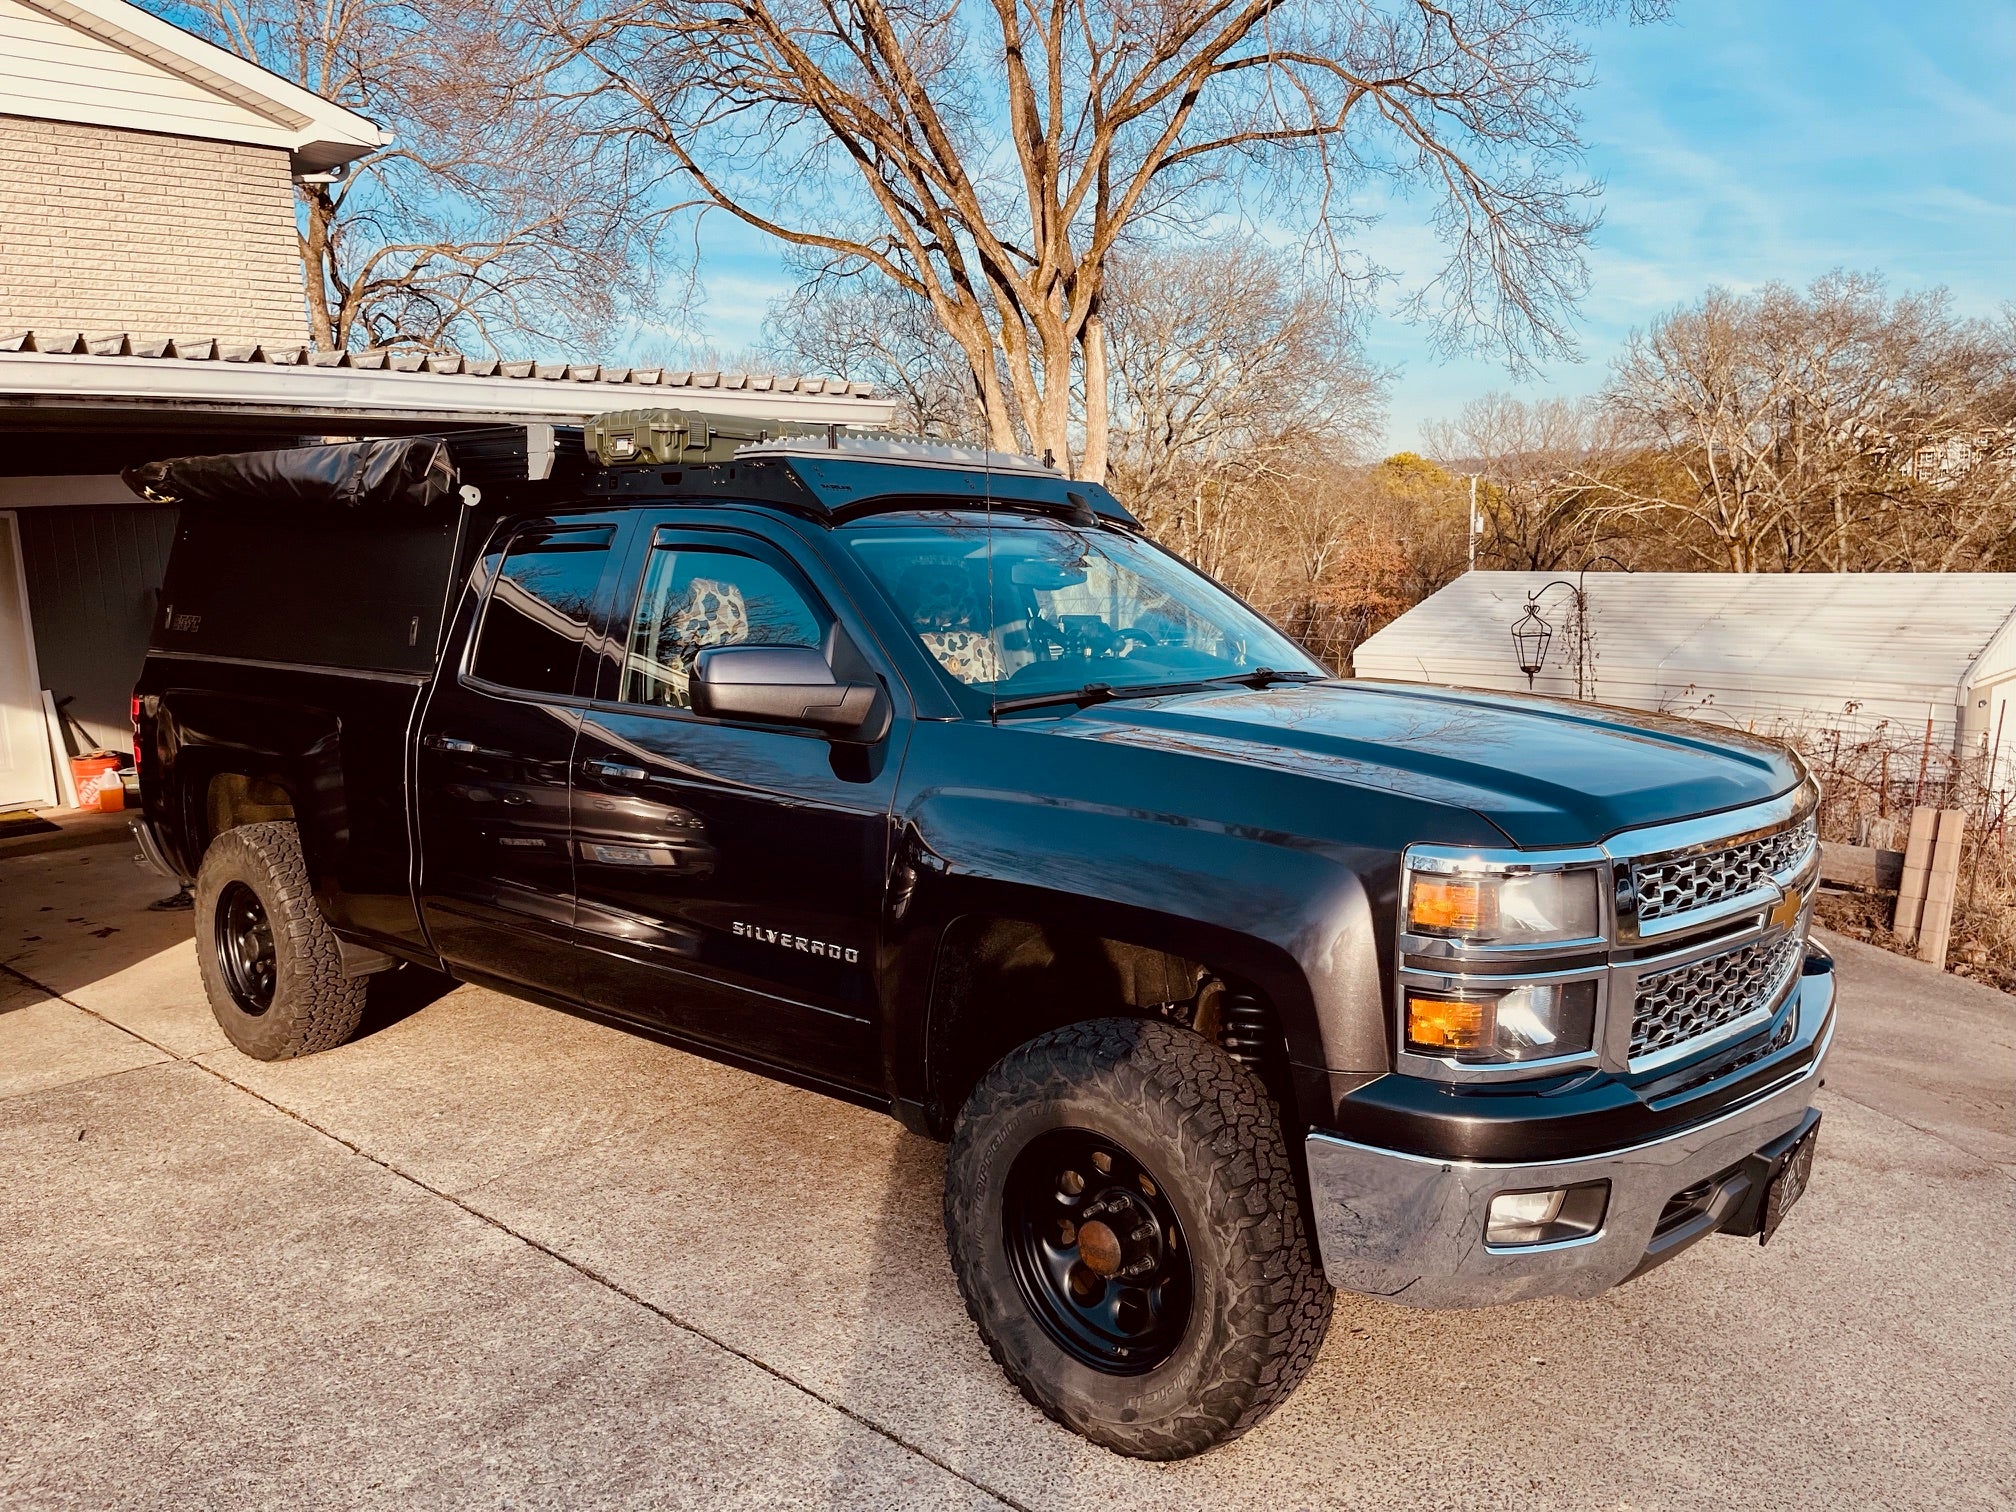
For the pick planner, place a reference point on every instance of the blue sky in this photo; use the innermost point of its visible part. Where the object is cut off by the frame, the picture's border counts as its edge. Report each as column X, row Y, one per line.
column 1738, row 143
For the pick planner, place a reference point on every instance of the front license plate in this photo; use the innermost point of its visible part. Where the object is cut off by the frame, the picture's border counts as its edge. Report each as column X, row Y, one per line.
column 1788, row 1183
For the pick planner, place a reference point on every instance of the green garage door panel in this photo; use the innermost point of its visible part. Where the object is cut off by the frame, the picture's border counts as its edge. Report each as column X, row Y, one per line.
column 94, row 577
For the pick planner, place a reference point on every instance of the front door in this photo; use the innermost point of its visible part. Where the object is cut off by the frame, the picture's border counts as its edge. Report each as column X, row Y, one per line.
column 496, row 744
column 730, row 877
column 27, row 780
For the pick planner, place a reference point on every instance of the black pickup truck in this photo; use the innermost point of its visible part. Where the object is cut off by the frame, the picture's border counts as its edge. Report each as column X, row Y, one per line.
column 920, row 777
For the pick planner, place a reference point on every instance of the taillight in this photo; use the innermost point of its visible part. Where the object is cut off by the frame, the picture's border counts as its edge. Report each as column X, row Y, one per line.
column 136, row 733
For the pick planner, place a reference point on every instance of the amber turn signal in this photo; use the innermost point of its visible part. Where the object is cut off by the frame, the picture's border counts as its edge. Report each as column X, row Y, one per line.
column 1446, row 905
column 1435, row 1023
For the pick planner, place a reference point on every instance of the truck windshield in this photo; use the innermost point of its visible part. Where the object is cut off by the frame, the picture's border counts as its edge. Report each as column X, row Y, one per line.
column 1053, row 608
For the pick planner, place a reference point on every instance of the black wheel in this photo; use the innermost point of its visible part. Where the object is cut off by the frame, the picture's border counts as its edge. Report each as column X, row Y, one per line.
column 244, row 946
column 1127, row 1231
column 270, row 962
column 1098, row 1251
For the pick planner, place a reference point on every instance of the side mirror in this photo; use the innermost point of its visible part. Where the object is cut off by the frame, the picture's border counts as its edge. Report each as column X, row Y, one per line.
column 787, row 685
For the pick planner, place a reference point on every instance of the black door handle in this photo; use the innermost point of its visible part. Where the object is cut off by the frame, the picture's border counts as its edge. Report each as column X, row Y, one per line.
column 449, row 743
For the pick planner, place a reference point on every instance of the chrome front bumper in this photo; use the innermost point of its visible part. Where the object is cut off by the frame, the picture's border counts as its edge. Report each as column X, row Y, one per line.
column 1410, row 1228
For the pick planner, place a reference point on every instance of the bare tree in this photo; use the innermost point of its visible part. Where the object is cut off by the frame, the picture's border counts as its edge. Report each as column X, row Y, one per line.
column 1835, row 429
column 869, row 330
column 1231, row 364
column 1235, row 378
column 1228, row 364
column 1342, row 548
column 990, row 158
column 488, row 218
column 1516, row 441
column 1533, row 460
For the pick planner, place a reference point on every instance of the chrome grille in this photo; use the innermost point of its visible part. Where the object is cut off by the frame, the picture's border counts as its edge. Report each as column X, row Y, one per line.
column 1679, row 884
column 1689, row 1001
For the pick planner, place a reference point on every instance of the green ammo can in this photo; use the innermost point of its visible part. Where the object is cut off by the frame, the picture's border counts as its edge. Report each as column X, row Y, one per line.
column 661, row 437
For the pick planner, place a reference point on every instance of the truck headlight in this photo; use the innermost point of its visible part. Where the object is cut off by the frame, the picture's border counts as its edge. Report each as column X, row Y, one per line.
column 1533, row 1021
column 1504, row 907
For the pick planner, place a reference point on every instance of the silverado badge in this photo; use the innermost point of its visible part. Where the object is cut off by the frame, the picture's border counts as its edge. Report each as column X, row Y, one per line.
column 784, row 939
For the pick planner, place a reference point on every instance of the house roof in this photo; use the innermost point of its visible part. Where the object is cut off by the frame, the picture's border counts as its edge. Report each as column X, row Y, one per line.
column 1755, row 649
column 1997, row 661
column 50, row 374
column 110, row 63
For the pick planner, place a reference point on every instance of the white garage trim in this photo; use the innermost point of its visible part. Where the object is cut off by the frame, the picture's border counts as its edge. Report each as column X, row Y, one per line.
column 44, row 491
column 23, row 707
column 108, row 63
column 44, row 380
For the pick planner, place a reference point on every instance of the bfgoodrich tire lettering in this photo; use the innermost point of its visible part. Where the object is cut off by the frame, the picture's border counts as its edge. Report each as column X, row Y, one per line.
column 1258, row 1306
column 310, row 1005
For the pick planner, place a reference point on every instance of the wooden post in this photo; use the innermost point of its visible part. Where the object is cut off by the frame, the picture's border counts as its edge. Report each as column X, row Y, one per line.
column 59, row 752
column 1931, row 882
column 1991, row 792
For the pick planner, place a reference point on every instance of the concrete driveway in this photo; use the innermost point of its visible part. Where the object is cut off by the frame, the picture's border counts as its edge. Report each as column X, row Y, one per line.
column 489, row 1255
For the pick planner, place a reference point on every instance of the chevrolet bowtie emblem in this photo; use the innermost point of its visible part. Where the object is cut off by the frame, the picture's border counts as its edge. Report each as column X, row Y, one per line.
column 1786, row 913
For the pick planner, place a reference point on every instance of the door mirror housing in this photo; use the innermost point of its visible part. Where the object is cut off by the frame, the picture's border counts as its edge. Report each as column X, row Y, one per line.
column 787, row 685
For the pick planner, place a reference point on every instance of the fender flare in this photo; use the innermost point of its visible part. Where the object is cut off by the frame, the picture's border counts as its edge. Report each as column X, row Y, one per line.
column 1296, row 920
column 294, row 748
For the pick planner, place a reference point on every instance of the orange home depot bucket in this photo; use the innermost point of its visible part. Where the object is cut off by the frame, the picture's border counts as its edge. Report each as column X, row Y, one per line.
column 94, row 775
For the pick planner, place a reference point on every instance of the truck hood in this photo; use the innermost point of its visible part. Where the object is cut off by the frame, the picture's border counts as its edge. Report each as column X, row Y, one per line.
column 1543, row 771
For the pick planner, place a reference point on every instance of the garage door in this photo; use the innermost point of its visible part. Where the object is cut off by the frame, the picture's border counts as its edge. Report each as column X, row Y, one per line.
column 94, row 578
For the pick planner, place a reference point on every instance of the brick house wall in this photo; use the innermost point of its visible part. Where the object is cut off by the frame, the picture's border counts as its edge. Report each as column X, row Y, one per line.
column 112, row 230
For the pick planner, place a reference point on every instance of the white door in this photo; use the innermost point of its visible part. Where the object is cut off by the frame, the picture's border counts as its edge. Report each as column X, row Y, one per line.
column 26, row 777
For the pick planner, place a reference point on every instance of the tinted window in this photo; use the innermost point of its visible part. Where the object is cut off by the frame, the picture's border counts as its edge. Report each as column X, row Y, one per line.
column 537, row 617
column 693, row 599
column 1034, row 607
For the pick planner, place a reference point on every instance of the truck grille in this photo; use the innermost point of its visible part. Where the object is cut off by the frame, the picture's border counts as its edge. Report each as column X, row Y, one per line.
column 1679, row 884
column 1689, row 1001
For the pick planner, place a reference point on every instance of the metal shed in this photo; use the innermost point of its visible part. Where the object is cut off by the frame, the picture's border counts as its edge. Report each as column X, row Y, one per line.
column 1771, row 652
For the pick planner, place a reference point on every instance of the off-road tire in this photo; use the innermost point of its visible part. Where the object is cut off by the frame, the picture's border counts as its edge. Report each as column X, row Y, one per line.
column 314, row 1006
column 1185, row 1109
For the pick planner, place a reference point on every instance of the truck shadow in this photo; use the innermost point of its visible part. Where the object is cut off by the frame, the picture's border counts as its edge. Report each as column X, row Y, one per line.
column 72, row 918
column 393, row 996
column 917, row 1363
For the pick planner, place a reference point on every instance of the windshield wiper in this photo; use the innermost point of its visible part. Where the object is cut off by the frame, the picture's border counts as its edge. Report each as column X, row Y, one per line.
column 1095, row 693
column 1265, row 677
column 1099, row 692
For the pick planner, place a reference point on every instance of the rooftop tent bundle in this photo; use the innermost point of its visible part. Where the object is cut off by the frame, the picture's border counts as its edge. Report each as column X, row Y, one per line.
column 398, row 475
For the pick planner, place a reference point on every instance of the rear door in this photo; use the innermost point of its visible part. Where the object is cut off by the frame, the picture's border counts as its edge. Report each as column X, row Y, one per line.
column 731, row 876
column 495, row 753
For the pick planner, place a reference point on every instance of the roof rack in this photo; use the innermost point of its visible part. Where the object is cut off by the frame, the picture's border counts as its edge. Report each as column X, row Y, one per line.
column 883, row 447
column 829, row 472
